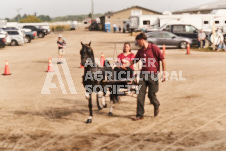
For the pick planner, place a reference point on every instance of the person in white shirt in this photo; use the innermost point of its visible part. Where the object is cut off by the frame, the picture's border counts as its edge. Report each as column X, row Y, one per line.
column 201, row 38
column 220, row 41
column 114, row 26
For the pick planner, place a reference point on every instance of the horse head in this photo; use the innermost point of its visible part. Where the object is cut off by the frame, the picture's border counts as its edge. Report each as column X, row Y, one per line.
column 86, row 53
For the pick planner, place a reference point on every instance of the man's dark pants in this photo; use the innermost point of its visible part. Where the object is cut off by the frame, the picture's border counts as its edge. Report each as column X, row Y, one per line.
column 203, row 43
column 150, row 81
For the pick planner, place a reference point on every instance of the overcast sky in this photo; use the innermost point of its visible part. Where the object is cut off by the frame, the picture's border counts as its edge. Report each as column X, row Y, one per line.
column 55, row 8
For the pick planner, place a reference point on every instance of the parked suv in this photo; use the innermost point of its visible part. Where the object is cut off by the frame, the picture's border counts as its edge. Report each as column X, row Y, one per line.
column 183, row 30
column 40, row 32
column 29, row 35
column 16, row 37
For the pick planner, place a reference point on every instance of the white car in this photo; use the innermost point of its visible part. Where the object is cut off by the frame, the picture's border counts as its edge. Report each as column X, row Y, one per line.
column 17, row 37
column 7, row 37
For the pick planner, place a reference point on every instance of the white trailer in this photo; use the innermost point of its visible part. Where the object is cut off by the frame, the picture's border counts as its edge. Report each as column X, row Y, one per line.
column 3, row 23
column 204, row 21
column 143, row 22
column 200, row 21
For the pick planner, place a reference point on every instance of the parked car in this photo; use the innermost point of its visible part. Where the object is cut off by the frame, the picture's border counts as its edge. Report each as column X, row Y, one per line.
column 7, row 37
column 20, row 31
column 168, row 39
column 16, row 37
column 2, row 41
column 40, row 32
column 29, row 35
column 73, row 27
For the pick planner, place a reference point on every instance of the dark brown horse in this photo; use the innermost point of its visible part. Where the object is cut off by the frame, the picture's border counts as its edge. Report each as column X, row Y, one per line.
column 91, row 78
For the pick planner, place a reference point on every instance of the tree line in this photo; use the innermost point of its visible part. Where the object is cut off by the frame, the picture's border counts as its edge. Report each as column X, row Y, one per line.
column 26, row 18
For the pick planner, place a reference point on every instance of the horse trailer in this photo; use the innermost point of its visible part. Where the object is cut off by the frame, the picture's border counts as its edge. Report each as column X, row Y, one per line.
column 200, row 21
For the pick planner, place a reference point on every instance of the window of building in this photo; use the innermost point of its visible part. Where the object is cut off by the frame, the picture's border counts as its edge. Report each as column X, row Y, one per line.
column 146, row 22
column 206, row 22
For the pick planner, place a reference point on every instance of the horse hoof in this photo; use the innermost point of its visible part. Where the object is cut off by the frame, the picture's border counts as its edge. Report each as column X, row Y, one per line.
column 110, row 114
column 89, row 121
column 105, row 106
column 100, row 108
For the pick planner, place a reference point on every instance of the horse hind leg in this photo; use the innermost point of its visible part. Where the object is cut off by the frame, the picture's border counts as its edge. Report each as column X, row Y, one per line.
column 99, row 97
column 89, row 120
column 111, row 109
column 101, row 100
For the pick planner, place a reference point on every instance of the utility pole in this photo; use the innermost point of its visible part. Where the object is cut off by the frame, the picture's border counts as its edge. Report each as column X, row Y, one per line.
column 91, row 9
column 18, row 14
column 214, row 35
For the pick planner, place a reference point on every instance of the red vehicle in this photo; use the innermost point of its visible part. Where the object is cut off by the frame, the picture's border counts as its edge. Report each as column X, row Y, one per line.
column 2, row 41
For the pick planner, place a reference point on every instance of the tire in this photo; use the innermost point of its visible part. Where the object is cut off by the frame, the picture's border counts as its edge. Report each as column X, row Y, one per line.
column 183, row 45
column 27, row 39
column 13, row 43
column 224, row 38
column 41, row 35
column 124, row 30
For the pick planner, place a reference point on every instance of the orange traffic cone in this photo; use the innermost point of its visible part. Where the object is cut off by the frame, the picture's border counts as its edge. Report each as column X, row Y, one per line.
column 188, row 49
column 164, row 50
column 6, row 68
column 81, row 66
column 102, row 60
column 50, row 67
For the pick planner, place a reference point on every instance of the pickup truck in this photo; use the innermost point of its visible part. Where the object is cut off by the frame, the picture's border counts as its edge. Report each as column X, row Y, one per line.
column 2, row 41
column 40, row 32
column 30, row 35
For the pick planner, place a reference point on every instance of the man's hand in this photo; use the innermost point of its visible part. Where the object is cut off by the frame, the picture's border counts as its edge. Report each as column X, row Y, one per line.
column 163, row 77
column 164, row 70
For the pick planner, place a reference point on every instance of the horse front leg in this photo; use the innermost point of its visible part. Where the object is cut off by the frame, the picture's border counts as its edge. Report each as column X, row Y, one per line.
column 104, row 100
column 111, row 102
column 89, row 120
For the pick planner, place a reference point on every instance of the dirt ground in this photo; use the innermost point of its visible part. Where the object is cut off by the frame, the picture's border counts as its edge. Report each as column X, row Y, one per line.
column 192, row 112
